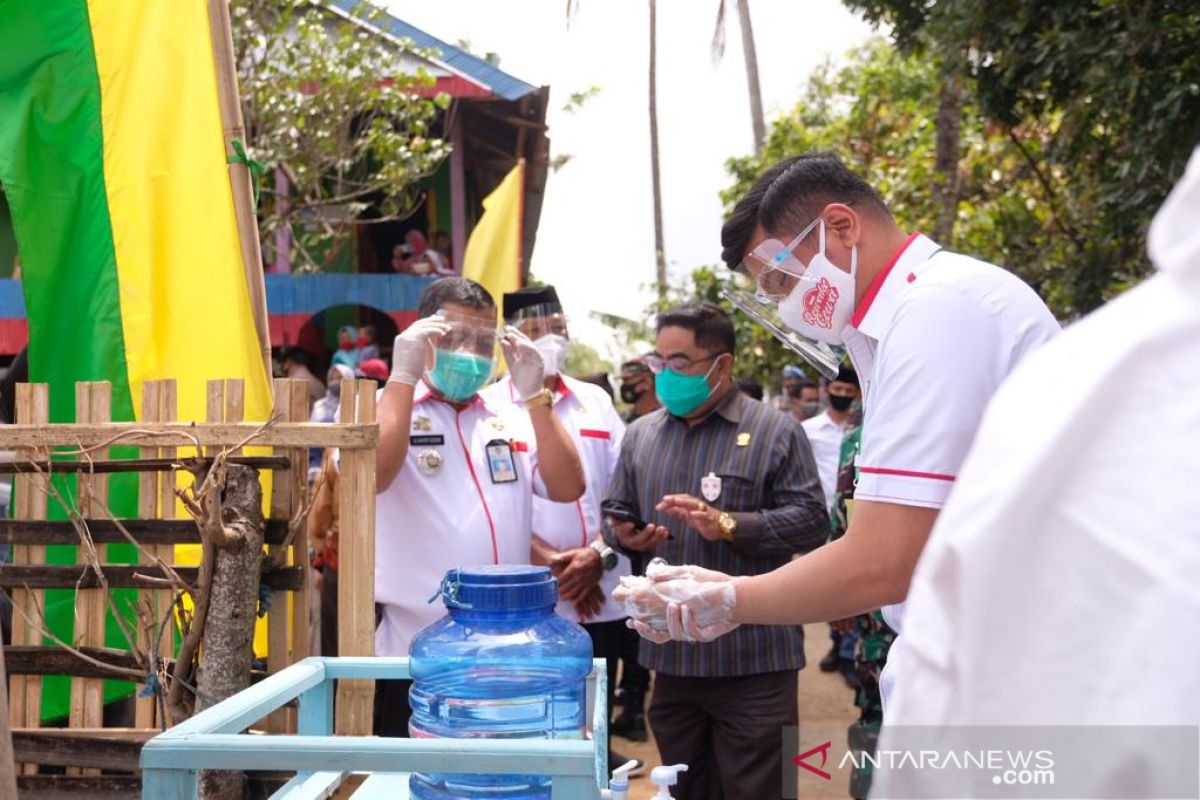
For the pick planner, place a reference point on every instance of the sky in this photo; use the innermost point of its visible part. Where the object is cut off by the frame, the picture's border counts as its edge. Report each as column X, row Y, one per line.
column 595, row 239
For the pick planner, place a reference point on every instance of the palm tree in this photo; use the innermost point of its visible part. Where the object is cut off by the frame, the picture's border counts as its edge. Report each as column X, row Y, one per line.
column 659, row 255
column 751, row 56
column 660, row 259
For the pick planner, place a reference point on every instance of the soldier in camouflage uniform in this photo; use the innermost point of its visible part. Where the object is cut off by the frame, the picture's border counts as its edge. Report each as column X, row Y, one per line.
column 875, row 637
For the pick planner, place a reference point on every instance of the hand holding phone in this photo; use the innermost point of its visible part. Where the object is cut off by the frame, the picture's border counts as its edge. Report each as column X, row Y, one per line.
column 633, row 532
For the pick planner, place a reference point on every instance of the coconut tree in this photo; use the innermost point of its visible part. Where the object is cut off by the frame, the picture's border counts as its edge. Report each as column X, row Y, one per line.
column 751, row 57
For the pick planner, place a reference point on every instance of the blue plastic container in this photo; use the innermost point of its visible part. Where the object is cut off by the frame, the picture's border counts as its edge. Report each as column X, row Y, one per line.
column 500, row 665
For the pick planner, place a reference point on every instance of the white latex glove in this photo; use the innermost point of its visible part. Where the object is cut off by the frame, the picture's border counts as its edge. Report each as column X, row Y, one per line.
column 410, row 348
column 696, row 607
column 524, row 362
column 659, row 570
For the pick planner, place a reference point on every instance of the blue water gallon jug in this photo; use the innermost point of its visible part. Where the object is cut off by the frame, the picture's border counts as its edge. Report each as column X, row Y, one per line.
column 499, row 665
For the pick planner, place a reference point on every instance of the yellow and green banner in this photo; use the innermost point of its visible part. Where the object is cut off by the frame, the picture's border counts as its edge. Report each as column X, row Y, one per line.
column 113, row 161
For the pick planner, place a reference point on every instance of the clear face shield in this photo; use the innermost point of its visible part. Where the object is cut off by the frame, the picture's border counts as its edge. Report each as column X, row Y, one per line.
column 781, row 277
column 464, row 358
column 541, row 320
column 546, row 326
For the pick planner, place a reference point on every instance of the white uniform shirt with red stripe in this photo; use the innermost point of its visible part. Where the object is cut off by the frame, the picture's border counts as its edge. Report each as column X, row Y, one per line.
column 588, row 415
column 432, row 520
column 932, row 340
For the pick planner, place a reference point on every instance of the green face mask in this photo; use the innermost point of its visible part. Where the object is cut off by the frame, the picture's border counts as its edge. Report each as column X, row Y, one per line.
column 682, row 394
column 457, row 376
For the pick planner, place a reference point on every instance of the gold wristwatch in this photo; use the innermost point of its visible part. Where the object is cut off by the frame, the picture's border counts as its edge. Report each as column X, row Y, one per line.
column 544, row 397
column 727, row 525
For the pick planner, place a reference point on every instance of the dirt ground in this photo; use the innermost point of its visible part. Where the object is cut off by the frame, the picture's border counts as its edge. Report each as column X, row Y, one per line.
column 824, row 698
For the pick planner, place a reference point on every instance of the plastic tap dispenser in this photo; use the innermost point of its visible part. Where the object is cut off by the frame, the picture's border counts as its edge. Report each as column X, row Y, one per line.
column 665, row 777
column 618, row 786
column 499, row 665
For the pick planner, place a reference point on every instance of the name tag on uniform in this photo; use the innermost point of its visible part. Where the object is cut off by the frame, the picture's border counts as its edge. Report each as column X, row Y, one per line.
column 500, row 462
column 427, row 440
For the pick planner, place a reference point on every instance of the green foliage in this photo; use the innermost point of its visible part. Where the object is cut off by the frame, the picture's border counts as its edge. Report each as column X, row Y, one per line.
column 332, row 105
column 877, row 113
column 1103, row 96
column 583, row 359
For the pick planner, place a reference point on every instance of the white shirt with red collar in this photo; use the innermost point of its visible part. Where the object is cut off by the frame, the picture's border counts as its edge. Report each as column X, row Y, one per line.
column 587, row 413
column 447, row 509
column 932, row 340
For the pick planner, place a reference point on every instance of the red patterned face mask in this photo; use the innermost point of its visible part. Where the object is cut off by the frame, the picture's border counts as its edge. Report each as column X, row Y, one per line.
column 822, row 301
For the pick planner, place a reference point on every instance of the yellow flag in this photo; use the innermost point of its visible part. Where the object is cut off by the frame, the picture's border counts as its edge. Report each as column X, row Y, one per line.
column 493, row 256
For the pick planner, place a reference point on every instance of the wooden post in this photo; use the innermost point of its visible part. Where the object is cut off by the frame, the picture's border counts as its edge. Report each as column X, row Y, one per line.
column 32, row 407
column 298, row 477
column 8, row 775
column 356, row 561
column 458, row 193
column 239, row 174
column 93, row 403
column 288, row 489
column 157, row 501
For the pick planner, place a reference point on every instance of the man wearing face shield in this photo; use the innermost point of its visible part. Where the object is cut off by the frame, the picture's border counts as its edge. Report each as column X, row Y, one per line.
column 456, row 473
column 932, row 334
column 566, row 536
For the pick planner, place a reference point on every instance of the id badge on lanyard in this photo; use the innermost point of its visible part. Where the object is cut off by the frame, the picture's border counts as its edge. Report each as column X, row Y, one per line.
column 500, row 461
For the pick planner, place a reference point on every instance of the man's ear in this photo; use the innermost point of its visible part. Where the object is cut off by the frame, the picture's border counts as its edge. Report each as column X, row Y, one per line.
column 725, row 372
column 842, row 225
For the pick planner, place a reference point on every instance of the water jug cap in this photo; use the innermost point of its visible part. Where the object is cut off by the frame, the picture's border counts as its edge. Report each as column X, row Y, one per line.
column 505, row 587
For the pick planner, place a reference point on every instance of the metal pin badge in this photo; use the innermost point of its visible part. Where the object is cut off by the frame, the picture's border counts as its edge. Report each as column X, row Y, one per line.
column 430, row 462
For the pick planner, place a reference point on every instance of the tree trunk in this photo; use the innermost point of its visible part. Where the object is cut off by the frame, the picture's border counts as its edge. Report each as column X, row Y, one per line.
column 659, row 255
column 948, row 134
column 756, row 106
column 228, row 641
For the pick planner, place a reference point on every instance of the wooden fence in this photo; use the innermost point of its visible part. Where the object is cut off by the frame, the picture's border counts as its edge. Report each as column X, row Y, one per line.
column 99, row 760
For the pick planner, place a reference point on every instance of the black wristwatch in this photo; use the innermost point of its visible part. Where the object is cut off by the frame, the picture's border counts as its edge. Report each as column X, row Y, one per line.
column 608, row 556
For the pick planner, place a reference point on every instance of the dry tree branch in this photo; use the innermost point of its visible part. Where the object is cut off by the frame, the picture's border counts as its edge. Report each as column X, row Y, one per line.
column 44, row 630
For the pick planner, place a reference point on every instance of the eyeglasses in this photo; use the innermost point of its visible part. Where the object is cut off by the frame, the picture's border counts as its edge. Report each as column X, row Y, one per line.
column 677, row 362
column 775, row 267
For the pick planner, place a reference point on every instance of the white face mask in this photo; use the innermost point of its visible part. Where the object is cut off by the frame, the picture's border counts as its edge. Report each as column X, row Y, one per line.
column 554, row 353
column 822, row 302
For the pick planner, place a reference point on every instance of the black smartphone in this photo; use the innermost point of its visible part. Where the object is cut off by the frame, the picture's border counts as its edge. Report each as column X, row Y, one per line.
column 621, row 514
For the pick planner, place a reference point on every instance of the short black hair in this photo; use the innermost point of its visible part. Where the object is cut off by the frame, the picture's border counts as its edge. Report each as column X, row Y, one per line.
column 846, row 375
column 796, row 389
column 751, row 388
column 789, row 195
column 460, row 291
column 600, row 379
column 295, row 355
column 709, row 323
